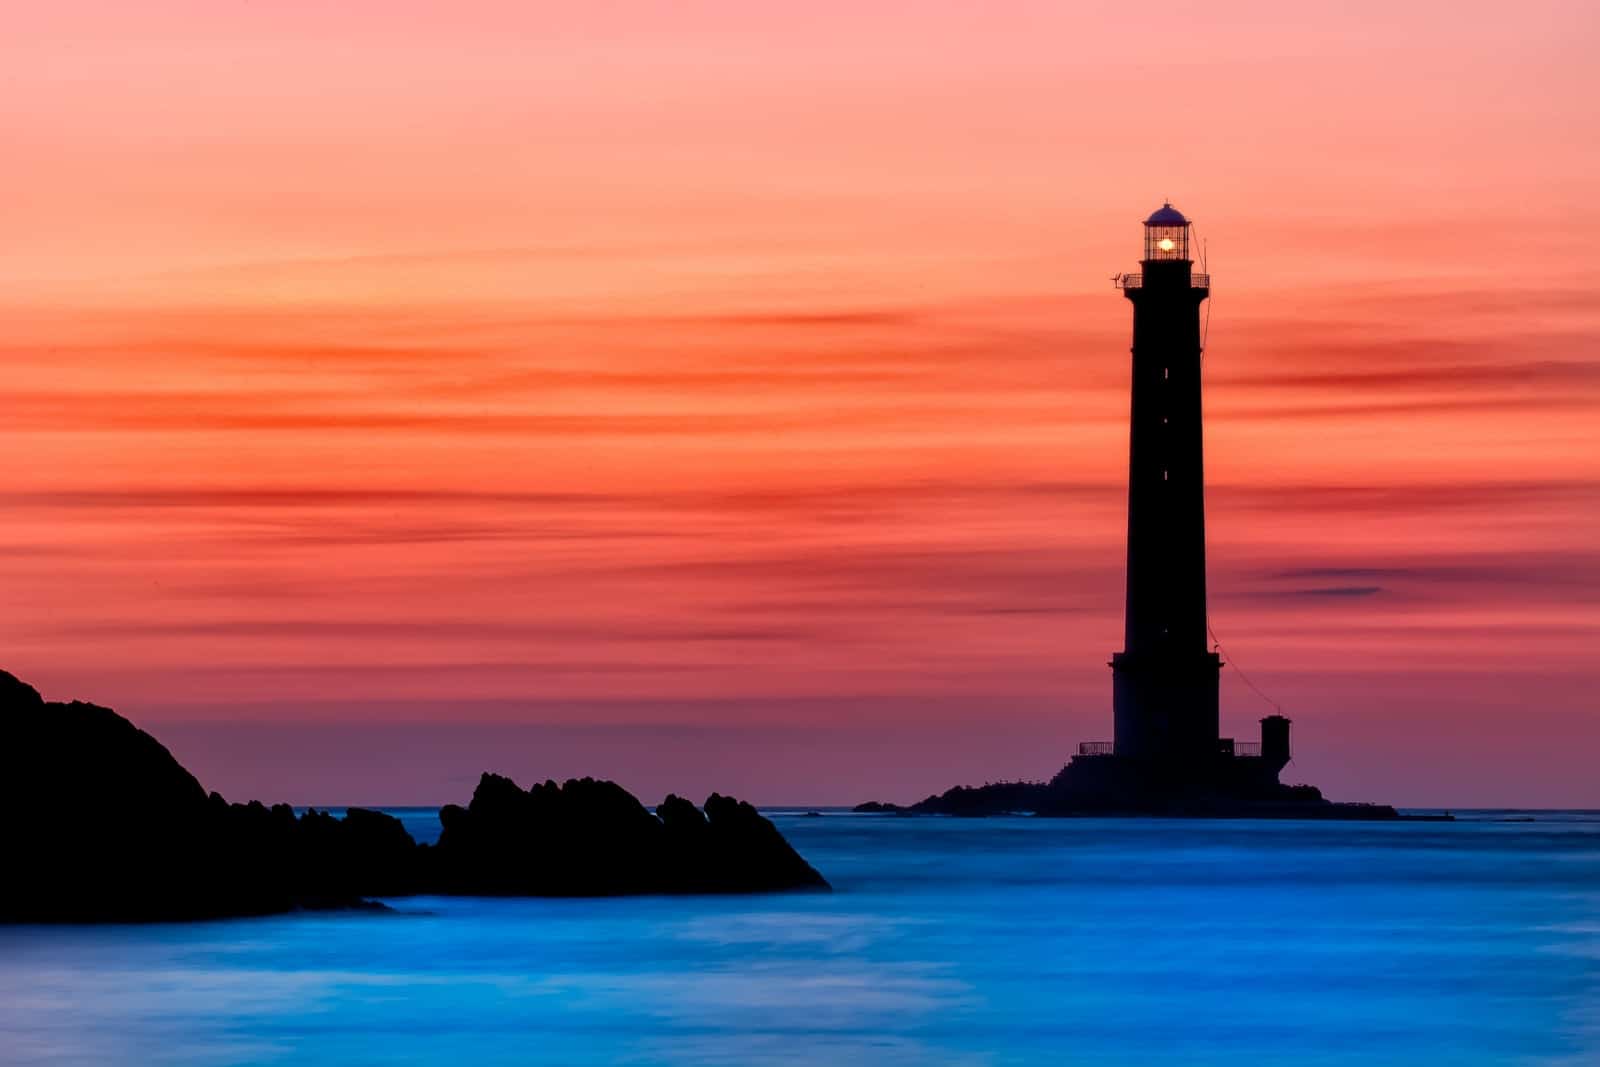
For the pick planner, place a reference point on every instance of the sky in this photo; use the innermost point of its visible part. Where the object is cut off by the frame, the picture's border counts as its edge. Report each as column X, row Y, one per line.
column 733, row 396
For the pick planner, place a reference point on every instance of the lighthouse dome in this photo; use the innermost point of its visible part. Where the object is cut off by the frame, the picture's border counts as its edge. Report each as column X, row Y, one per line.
column 1166, row 215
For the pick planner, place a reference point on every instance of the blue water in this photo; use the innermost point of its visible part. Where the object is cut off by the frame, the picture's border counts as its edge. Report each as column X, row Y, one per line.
column 947, row 942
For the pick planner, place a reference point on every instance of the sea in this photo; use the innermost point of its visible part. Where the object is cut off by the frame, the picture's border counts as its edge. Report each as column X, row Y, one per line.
column 945, row 941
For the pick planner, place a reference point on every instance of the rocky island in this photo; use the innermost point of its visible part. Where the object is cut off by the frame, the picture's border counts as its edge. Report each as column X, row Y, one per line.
column 106, row 826
column 1118, row 789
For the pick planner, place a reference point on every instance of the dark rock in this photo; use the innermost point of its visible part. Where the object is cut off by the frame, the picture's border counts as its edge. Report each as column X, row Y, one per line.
column 593, row 838
column 996, row 798
column 106, row 824
column 748, row 854
column 878, row 807
column 109, row 827
column 1114, row 786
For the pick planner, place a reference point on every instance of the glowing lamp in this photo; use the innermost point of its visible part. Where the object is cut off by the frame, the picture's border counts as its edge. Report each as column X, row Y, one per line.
column 1166, row 235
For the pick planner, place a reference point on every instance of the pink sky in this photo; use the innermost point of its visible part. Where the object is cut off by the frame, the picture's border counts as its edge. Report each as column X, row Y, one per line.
column 733, row 395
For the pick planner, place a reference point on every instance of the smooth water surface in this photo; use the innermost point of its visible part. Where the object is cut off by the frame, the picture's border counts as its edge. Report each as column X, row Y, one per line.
column 947, row 941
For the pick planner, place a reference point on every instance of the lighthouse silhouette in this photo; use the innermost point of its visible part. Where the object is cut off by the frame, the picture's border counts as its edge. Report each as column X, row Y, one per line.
column 1166, row 676
column 1165, row 679
column 1169, row 757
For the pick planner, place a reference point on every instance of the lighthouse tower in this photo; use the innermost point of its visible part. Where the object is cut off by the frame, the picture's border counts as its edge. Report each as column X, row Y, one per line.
column 1164, row 691
column 1169, row 757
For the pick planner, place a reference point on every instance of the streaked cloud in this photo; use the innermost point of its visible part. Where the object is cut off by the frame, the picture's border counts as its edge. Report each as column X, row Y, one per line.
column 538, row 371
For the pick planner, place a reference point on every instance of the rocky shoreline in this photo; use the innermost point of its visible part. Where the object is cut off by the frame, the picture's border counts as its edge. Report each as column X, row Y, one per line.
column 1140, row 792
column 109, row 827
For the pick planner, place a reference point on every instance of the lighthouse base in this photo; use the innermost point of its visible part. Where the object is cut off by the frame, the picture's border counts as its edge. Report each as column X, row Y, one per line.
column 1226, row 787
column 1223, row 786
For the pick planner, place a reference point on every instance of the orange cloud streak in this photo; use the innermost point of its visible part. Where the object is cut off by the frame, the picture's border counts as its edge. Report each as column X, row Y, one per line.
column 753, row 372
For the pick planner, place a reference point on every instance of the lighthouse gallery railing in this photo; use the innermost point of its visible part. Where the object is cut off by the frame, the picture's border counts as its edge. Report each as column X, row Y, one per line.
column 1226, row 747
column 1136, row 281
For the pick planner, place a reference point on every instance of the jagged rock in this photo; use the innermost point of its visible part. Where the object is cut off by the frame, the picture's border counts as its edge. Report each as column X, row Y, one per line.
column 105, row 821
column 593, row 838
column 748, row 853
column 109, row 827
column 996, row 798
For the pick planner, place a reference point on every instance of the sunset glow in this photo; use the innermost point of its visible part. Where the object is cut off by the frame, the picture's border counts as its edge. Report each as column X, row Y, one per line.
column 733, row 395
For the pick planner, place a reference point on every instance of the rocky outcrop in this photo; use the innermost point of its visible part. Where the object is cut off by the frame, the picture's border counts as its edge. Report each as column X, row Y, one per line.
column 104, row 825
column 1112, row 786
column 995, row 798
column 879, row 807
column 592, row 838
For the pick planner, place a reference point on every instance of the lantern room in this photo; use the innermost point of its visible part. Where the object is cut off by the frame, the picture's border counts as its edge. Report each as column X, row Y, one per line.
column 1166, row 235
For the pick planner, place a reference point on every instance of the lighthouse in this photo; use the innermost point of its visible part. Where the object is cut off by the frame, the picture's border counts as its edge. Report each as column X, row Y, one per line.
column 1164, row 681
column 1168, row 757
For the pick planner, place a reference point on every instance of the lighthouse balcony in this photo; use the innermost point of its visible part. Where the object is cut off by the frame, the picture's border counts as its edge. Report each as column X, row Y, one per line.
column 1136, row 281
column 1226, row 746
